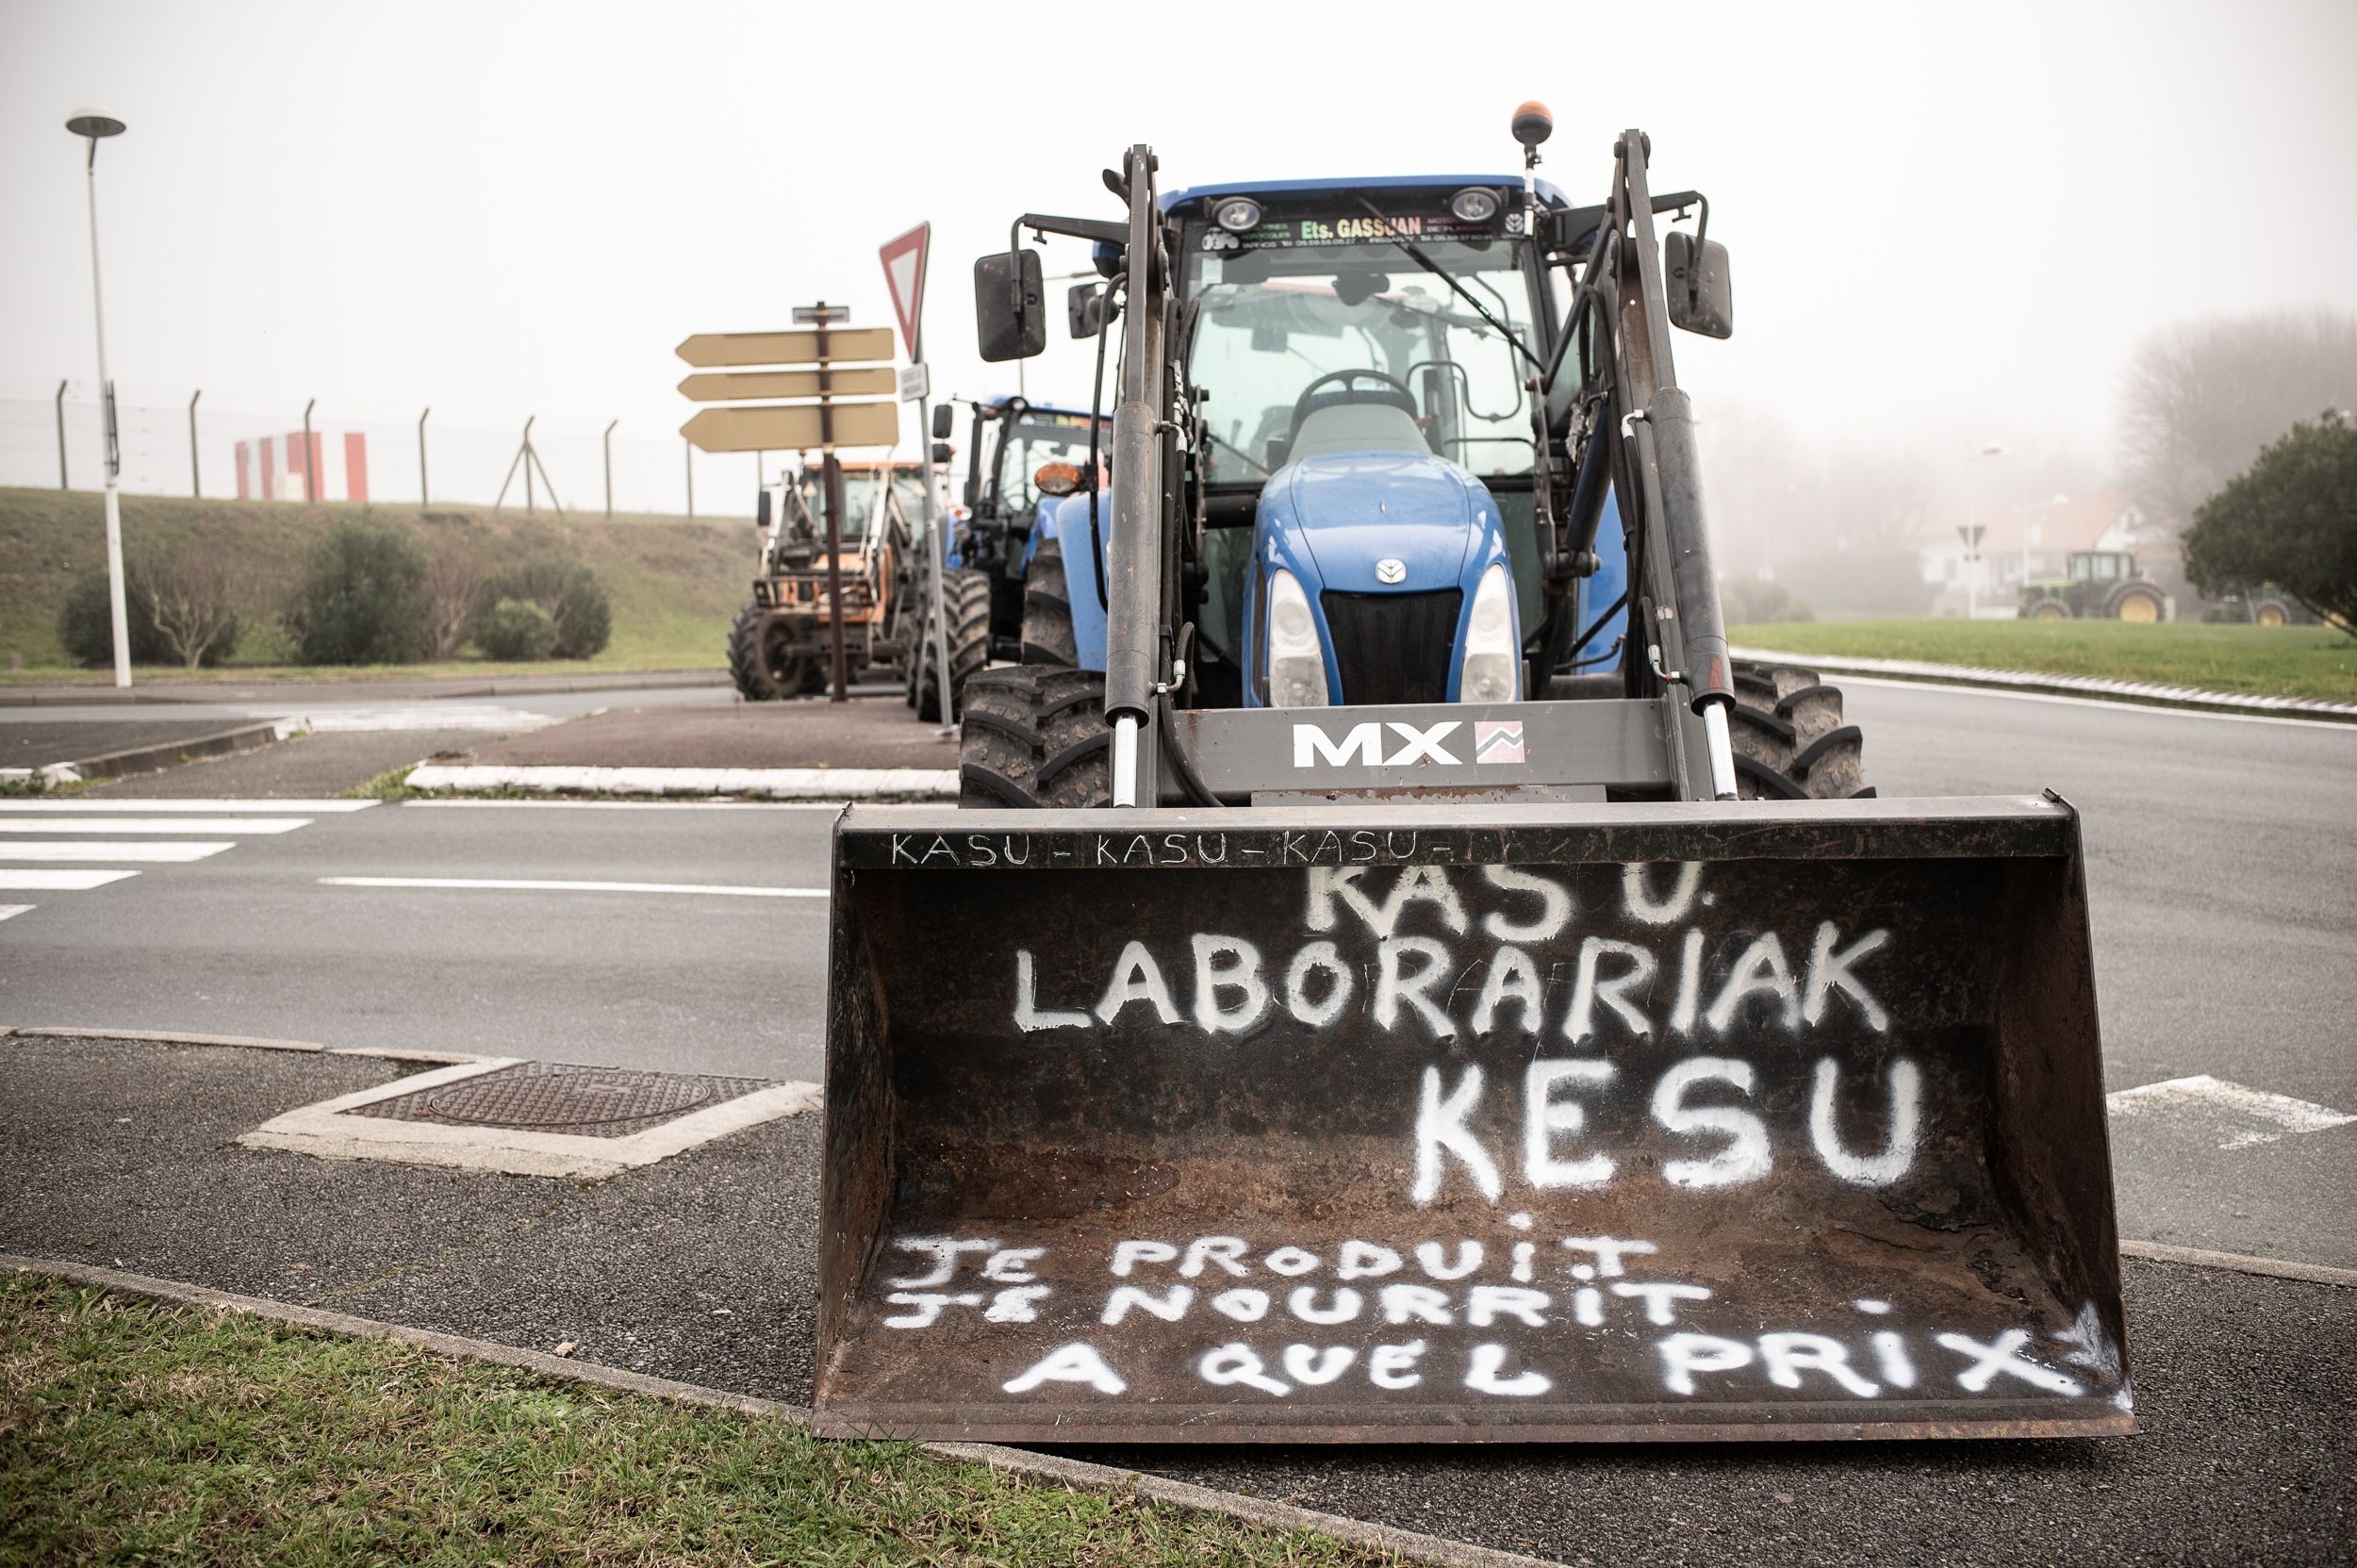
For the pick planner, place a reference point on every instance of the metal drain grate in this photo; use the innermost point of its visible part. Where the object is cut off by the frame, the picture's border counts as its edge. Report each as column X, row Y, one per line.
column 551, row 1097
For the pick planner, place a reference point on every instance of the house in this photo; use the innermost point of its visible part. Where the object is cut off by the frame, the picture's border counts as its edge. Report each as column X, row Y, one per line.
column 2027, row 540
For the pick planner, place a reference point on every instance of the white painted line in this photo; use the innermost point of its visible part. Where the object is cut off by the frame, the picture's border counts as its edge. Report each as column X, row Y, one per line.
column 809, row 783
column 1847, row 679
column 83, row 804
column 10, row 912
column 118, row 851
column 435, row 716
column 240, row 825
column 450, row 804
column 324, row 1131
column 24, row 880
column 2241, row 1115
column 521, row 885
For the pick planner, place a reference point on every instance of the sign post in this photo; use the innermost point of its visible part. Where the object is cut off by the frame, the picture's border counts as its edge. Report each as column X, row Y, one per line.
column 826, row 425
column 1970, row 535
column 905, row 276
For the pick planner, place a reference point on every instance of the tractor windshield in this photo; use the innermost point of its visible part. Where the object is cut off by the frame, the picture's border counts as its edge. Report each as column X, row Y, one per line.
column 1284, row 332
column 860, row 499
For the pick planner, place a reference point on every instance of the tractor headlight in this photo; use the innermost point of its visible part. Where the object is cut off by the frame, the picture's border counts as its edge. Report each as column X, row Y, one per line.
column 1474, row 204
column 1494, row 660
column 1238, row 214
column 1296, row 665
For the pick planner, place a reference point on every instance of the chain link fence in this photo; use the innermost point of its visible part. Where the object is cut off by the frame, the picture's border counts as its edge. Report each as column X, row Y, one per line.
column 50, row 438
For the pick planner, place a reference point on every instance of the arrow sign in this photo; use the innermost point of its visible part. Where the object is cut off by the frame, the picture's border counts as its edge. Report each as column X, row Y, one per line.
column 792, row 427
column 865, row 381
column 711, row 350
column 904, row 274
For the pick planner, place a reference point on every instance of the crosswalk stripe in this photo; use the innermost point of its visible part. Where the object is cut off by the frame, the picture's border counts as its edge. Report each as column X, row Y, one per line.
column 28, row 880
column 10, row 912
column 120, row 852
column 72, row 805
column 725, row 890
column 157, row 824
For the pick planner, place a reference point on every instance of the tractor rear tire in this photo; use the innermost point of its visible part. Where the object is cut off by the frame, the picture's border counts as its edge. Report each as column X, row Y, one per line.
column 767, row 666
column 1048, row 638
column 1791, row 741
column 965, row 601
column 2270, row 612
column 2139, row 604
column 1034, row 737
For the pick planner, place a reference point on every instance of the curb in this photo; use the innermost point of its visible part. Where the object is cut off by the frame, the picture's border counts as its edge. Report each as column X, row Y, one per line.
column 784, row 783
column 514, row 685
column 2238, row 1262
column 2148, row 694
column 147, row 759
column 247, row 1042
column 1077, row 1474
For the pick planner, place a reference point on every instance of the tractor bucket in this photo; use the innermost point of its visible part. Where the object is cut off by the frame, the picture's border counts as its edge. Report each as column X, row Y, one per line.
column 1536, row 1123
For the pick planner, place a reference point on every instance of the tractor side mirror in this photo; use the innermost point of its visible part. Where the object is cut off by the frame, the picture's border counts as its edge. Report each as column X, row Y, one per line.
column 1010, row 315
column 942, row 453
column 943, row 427
column 761, row 510
column 1701, row 297
column 1084, row 308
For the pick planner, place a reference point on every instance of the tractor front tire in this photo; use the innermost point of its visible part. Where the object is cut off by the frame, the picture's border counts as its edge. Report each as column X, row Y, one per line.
column 1034, row 737
column 1791, row 741
column 965, row 601
column 1048, row 638
column 2050, row 609
column 764, row 660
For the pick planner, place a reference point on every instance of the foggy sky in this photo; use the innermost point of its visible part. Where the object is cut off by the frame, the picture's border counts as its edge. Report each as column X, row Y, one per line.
column 1948, row 225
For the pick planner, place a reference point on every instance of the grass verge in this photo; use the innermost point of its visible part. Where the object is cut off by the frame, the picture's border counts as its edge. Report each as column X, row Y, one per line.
column 2269, row 661
column 135, row 1431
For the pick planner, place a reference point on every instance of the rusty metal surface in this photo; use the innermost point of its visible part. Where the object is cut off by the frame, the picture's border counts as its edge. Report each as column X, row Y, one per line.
column 552, row 1097
column 1516, row 1129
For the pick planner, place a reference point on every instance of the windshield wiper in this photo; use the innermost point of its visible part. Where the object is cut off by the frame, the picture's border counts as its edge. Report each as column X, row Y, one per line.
column 1416, row 254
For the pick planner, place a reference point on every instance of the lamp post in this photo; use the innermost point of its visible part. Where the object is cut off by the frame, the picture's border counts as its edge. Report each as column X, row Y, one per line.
column 1972, row 531
column 93, row 125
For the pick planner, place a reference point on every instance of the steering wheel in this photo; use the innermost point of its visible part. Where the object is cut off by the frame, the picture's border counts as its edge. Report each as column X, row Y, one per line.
column 1302, row 411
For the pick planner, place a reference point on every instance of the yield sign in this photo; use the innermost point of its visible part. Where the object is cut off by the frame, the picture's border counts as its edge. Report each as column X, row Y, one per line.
column 904, row 274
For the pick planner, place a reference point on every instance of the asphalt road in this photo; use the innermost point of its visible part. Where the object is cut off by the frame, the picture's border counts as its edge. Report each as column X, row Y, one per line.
column 2222, row 860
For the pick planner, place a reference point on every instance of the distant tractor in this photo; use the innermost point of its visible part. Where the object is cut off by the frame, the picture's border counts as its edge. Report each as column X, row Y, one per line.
column 2102, row 585
column 781, row 645
column 2265, row 605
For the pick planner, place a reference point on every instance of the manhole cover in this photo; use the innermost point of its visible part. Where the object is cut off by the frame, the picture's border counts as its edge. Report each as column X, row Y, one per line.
column 568, row 1096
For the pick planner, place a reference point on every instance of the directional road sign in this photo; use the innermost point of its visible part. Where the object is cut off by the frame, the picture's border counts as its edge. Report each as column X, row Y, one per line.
column 863, row 381
column 904, row 274
column 792, row 427
column 711, row 350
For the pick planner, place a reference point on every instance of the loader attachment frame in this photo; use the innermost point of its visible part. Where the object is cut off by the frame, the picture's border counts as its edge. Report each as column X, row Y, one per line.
column 1534, row 1122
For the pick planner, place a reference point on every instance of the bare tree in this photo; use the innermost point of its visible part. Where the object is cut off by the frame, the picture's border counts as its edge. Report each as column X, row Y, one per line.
column 455, row 577
column 2204, row 397
column 193, row 595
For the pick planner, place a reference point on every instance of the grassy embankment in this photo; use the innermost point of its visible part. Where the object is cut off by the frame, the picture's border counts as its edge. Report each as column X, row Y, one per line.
column 2273, row 661
column 134, row 1432
column 676, row 583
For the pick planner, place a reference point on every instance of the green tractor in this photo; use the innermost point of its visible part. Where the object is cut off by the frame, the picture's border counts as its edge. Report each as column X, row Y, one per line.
column 2102, row 585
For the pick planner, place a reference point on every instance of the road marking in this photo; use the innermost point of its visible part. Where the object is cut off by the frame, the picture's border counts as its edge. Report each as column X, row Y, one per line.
column 453, row 716
column 1847, row 679
column 2213, row 1107
column 157, row 824
column 80, row 804
column 525, row 885
column 10, row 912
column 116, row 851
column 17, row 880
column 440, row 804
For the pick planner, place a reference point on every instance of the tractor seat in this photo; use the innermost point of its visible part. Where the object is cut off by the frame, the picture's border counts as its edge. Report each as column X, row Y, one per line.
column 1359, row 426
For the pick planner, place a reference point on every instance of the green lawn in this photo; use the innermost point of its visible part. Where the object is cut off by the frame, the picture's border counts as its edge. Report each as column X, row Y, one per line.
column 2273, row 661
column 134, row 1432
column 676, row 583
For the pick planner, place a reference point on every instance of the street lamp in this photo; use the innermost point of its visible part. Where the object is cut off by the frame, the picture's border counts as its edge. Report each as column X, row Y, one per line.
column 92, row 126
column 1972, row 532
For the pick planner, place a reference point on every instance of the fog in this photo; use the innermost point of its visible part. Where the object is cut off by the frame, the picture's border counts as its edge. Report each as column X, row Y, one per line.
column 1949, row 225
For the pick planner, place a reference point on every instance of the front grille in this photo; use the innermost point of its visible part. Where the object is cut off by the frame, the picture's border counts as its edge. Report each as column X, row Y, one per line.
column 1393, row 647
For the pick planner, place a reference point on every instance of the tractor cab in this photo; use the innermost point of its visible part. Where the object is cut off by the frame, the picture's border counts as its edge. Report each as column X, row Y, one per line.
column 2103, row 566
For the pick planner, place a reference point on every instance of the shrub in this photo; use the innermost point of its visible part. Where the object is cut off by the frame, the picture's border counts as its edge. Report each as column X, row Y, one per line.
column 362, row 600
column 191, row 596
column 569, row 590
column 454, row 579
column 86, row 624
column 516, row 630
column 2291, row 520
column 1755, row 601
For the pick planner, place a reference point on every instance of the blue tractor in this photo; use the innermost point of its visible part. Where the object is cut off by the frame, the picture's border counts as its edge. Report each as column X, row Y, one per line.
column 1406, row 981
